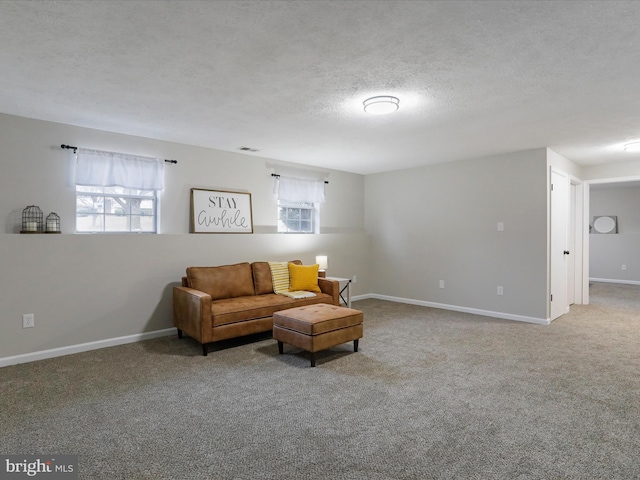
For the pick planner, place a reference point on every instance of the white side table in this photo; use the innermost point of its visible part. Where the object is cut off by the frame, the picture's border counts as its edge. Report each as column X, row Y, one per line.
column 347, row 288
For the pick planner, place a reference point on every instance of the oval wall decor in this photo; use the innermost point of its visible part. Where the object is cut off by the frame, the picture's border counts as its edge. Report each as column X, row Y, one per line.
column 605, row 224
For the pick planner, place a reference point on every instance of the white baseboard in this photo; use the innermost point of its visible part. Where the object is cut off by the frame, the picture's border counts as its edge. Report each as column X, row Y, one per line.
column 455, row 308
column 111, row 342
column 83, row 347
column 613, row 280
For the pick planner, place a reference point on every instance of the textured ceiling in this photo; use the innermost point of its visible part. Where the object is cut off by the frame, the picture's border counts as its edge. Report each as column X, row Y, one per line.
column 288, row 78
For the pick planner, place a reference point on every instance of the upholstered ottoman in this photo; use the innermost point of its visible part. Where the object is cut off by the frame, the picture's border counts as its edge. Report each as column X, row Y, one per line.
column 317, row 327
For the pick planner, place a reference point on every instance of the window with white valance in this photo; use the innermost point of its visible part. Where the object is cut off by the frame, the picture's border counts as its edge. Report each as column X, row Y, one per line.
column 292, row 189
column 117, row 192
column 110, row 169
column 298, row 204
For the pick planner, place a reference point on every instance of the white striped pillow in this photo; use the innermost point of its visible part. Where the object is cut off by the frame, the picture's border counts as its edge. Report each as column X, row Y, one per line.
column 280, row 276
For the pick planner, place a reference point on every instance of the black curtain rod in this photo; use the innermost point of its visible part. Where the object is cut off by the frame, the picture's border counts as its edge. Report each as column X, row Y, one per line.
column 278, row 176
column 75, row 149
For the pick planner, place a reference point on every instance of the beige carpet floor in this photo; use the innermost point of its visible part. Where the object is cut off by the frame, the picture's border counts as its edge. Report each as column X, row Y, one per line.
column 431, row 394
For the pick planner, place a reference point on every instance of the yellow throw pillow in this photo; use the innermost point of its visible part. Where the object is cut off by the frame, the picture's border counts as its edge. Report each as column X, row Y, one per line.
column 304, row 277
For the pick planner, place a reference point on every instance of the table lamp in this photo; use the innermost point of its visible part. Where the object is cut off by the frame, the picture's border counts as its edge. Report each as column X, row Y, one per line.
column 323, row 264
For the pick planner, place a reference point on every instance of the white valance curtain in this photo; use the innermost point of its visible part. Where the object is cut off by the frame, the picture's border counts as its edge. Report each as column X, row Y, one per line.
column 109, row 169
column 292, row 189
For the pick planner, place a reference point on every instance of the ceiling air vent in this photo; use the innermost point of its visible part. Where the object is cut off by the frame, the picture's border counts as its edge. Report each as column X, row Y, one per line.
column 247, row 149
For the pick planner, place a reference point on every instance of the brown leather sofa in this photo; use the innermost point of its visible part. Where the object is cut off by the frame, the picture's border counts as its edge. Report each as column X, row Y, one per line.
column 217, row 303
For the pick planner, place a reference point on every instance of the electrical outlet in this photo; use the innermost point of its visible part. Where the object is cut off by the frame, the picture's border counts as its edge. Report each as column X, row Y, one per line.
column 500, row 290
column 624, row 267
column 354, row 279
column 28, row 320
column 441, row 283
column 501, row 226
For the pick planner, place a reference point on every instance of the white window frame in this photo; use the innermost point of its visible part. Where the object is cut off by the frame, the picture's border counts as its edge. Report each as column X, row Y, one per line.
column 315, row 216
column 117, row 193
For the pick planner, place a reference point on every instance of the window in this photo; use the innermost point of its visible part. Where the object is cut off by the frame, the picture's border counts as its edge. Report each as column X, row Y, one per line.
column 299, row 200
column 115, row 209
column 297, row 217
column 117, row 192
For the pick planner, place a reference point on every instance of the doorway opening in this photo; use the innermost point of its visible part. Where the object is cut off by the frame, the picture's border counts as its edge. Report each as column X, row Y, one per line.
column 607, row 256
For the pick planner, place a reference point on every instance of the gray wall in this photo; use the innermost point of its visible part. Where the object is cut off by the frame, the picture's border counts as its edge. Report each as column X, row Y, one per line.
column 439, row 222
column 610, row 251
column 399, row 232
column 86, row 288
column 612, row 171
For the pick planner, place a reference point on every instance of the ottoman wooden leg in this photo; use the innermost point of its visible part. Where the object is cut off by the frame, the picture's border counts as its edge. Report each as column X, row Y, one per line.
column 355, row 345
column 313, row 359
column 280, row 347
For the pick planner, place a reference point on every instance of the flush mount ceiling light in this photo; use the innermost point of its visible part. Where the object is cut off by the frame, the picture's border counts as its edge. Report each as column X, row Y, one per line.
column 381, row 105
column 632, row 147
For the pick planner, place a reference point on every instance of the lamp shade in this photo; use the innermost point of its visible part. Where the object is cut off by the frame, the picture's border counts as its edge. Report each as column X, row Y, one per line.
column 322, row 261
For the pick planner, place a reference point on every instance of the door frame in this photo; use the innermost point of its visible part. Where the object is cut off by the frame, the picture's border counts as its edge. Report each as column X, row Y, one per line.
column 586, row 222
column 580, row 244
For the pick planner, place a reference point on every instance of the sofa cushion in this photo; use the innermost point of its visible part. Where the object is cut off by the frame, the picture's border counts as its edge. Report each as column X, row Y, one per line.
column 262, row 278
column 239, row 309
column 227, row 281
column 228, row 311
column 303, row 277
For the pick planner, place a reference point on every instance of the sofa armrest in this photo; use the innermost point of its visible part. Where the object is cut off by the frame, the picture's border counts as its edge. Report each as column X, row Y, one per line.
column 192, row 313
column 330, row 287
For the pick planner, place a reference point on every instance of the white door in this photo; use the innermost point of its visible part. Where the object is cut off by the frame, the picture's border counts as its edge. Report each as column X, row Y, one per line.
column 559, row 303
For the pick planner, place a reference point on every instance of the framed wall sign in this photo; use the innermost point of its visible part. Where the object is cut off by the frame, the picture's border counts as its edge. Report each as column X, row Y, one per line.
column 220, row 211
